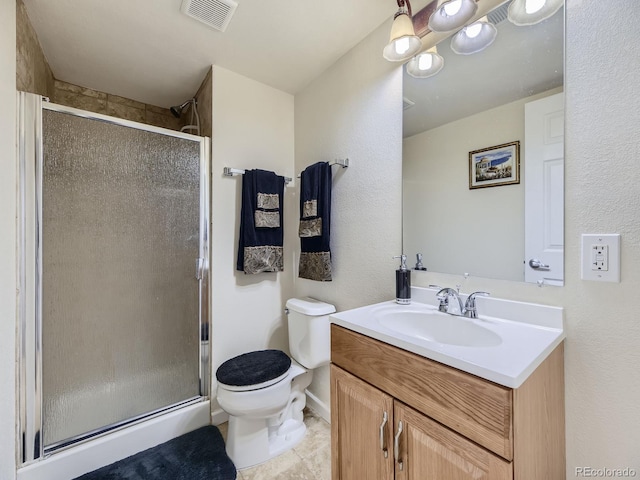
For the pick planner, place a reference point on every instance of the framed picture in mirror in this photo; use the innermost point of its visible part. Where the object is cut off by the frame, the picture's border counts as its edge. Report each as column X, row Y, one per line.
column 495, row 166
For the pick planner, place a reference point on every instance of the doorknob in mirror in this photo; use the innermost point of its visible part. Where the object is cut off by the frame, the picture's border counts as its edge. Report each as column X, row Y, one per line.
column 537, row 264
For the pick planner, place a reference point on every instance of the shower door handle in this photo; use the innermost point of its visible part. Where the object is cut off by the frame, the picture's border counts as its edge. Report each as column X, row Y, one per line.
column 199, row 268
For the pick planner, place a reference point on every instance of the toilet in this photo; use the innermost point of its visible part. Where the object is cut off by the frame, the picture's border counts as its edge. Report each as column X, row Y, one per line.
column 264, row 391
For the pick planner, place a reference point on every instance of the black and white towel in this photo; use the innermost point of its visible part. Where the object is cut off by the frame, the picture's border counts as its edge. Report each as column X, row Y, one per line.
column 315, row 222
column 261, row 230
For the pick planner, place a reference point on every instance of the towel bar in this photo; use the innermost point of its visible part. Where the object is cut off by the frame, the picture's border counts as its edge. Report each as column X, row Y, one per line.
column 230, row 172
column 343, row 162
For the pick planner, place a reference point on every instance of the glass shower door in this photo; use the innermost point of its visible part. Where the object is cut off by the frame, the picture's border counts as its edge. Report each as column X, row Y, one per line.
column 122, row 232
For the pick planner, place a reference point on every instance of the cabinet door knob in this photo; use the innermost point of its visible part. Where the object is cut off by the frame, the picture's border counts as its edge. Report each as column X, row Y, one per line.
column 383, row 447
column 396, row 446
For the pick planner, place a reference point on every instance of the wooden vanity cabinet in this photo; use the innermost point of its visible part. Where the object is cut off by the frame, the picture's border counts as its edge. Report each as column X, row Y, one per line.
column 426, row 450
column 363, row 435
column 455, row 426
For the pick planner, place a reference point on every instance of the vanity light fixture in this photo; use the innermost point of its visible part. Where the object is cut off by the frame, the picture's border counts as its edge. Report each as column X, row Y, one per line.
column 452, row 15
column 426, row 64
column 474, row 38
column 403, row 42
column 467, row 38
column 530, row 12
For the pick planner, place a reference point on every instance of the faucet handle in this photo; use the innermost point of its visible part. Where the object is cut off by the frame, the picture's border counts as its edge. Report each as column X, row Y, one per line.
column 450, row 301
column 443, row 297
column 444, row 292
column 470, row 304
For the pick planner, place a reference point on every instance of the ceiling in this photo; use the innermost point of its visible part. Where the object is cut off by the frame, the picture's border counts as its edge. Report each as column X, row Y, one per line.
column 521, row 62
column 149, row 51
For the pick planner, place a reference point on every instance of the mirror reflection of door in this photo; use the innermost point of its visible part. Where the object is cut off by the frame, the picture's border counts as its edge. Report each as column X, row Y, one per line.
column 544, row 190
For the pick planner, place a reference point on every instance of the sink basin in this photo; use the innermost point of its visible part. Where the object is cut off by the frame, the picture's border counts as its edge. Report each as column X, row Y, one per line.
column 505, row 345
column 434, row 326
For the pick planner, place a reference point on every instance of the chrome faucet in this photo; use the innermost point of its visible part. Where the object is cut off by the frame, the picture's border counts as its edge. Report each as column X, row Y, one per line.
column 451, row 303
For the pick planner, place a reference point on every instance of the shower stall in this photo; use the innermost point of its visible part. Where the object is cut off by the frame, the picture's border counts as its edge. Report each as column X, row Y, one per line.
column 114, row 261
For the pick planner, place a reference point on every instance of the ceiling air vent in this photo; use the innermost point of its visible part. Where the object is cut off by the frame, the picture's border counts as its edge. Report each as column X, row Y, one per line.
column 215, row 13
column 499, row 14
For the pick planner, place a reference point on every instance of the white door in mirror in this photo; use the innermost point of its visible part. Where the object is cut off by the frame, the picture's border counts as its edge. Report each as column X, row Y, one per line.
column 544, row 190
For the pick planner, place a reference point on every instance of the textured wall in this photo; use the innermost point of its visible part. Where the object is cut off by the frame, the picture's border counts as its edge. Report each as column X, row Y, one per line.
column 8, row 195
column 253, row 126
column 601, row 196
column 354, row 110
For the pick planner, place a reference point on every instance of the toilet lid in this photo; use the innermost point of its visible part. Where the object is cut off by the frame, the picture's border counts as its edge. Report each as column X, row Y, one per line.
column 254, row 368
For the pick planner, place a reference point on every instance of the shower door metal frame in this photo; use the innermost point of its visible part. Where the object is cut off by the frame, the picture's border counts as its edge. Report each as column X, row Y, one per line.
column 30, row 164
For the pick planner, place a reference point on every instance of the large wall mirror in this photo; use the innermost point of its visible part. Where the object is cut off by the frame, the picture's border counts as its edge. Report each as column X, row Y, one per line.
column 483, row 157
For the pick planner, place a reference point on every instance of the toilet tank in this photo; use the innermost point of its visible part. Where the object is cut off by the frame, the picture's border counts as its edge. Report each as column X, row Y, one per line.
column 309, row 331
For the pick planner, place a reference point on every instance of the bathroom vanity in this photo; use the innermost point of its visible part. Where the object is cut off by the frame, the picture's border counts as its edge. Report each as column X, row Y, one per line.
column 398, row 414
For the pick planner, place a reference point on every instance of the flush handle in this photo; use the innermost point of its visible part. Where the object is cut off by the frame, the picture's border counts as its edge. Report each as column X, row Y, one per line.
column 383, row 447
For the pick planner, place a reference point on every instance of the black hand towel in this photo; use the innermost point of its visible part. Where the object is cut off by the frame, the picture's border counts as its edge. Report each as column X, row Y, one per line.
column 315, row 222
column 261, row 231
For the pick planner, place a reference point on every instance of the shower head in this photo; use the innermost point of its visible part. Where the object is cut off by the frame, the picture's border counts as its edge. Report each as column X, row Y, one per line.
column 177, row 110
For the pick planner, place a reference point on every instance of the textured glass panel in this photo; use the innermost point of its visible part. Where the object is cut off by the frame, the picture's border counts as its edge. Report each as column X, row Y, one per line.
column 120, row 297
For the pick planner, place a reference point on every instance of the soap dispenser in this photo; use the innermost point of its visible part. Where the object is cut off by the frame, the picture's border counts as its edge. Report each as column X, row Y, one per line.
column 403, row 282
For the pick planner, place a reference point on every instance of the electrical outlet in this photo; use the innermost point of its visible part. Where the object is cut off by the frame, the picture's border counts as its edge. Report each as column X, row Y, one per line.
column 601, row 257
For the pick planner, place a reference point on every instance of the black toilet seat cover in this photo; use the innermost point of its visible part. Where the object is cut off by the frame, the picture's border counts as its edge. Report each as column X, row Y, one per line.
column 253, row 368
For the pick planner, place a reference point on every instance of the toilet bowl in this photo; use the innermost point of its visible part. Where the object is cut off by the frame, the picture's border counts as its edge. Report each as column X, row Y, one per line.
column 264, row 391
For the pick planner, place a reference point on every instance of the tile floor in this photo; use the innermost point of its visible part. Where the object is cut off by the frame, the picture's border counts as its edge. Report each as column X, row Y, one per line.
column 310, row 460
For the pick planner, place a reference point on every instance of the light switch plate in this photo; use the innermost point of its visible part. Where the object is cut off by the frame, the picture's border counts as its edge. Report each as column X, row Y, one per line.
column 601, row 257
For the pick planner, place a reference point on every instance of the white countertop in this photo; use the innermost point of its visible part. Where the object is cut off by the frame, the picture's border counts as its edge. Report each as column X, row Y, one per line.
column 529, row 334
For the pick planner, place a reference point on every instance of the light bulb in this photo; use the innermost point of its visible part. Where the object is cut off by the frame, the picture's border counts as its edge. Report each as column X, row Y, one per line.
column 532, row 6
column 402, row 45
column 473, row 30
column 425, row 61
column 453, row 7
column 426, row 64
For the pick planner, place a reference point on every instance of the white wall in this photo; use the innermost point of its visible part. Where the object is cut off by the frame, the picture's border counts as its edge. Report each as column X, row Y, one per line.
column 603, row 347
column 435, row 172
column 252, row 128
column 8, row 180
column 354, row 110
column 602, row 195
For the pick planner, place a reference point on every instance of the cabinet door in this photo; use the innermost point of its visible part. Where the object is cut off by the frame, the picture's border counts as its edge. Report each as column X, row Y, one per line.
column 427, row 450
column 360, row 436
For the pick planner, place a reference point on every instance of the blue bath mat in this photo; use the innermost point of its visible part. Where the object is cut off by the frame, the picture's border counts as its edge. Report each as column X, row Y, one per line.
column 197, row 455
